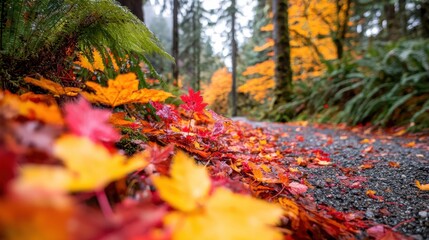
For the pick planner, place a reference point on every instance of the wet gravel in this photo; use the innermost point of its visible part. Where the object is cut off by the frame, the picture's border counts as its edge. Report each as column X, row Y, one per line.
column 388, row 165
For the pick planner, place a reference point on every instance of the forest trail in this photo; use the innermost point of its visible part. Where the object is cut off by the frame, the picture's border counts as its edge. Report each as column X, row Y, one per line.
column 366, row 174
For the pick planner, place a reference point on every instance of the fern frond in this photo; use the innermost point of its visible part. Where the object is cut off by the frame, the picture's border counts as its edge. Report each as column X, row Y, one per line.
column 37, row 35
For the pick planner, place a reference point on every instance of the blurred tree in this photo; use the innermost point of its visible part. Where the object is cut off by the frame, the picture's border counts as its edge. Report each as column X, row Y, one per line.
column 191, row 46
column 258, row 38
column 175, row 46
column 283, row 70
column 216, row 93
column 230, row 15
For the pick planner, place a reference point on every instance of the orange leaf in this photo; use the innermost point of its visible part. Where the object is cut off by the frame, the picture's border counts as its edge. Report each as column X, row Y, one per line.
column 123, row 90
column 53, row 87
column 14, row 106
column 424, row 187
column 394, row 164
column 118, row 119
column 366, row 166
column 35, row 214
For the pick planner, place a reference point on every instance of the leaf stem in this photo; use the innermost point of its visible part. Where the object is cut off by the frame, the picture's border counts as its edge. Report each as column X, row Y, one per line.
column 105, row 207
column 189, row 123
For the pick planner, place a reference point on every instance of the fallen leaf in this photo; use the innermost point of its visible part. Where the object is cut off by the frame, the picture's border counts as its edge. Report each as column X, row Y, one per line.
column 299, row 138
column 366, row 140
column 88, row 166
column 53, row 87
column 371, row 194
column 188, row 185
column 166, row 112
column 84, row 120
column 35, row 214
column 297, row 188
column 366, row 166
column 380, row 232
column 368, row 149
column 410, row 144
column 228, row 216
column 118, row 119
column 123, row 90
column 424, row 187
column 12, row 106
column 394, row 164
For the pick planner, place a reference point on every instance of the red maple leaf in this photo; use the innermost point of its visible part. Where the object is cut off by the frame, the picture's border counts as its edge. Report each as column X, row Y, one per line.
column 193, row 102
column 84, row 120
column 166, row 112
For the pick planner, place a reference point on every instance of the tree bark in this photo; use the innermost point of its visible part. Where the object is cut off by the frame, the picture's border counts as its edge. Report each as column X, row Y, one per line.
column 342, row 26
column 175, row 46
column 391, row 23
column 135, row 6
column 403, row 15
column 424, row 19
column 234, row 61
column 283, row 70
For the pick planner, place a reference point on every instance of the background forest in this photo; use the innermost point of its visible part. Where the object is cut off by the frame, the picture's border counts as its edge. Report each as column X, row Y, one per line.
column 353, row 61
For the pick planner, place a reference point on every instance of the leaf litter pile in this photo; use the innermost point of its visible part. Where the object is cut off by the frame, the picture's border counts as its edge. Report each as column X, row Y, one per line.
column 118, row 162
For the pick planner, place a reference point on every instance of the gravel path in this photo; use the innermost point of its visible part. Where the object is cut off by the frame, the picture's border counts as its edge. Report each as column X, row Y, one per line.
column 388, row 165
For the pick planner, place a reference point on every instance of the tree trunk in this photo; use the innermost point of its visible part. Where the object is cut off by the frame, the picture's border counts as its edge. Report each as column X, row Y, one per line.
column 391, row 24
column 342, row 26
column 175, row 46
column 283, row 71
column 403, row 15
column 198, row 47
column 424, row 19
column 135, row 6
column 234, row 61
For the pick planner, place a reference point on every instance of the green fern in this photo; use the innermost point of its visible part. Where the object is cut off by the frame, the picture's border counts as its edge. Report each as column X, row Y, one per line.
column 37, row 35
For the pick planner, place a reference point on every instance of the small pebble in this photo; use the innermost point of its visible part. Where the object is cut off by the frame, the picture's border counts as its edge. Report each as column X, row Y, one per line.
column 369, row 214
column 423, row 214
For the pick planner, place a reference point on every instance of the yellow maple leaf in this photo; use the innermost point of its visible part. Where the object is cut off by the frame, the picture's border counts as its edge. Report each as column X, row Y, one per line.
column 11, row 106
column 92, row 164
column 88, row 166
column 220, row 215
column 226, row 216
column 44, row 176
column 123, row 90
column 53, row 87
column 424, row 187
column 188, row 185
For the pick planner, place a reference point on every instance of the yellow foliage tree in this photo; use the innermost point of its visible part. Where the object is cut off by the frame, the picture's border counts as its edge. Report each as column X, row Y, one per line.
column 316, row 28
column 216, row 93
column 259, row 86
